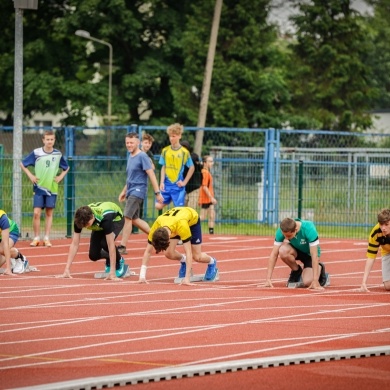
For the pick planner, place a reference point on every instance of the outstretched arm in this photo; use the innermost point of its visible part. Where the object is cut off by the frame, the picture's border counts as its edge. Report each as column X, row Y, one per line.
column 315, row 284
column 271, row 265
column 367, row 269
column 145, row 261
column 74, row 247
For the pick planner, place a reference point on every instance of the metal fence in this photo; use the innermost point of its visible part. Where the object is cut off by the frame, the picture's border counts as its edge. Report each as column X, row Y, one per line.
column 339, row 180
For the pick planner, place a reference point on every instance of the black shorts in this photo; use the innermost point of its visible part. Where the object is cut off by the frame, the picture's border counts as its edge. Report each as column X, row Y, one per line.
column 304, row 258
column 205, row 205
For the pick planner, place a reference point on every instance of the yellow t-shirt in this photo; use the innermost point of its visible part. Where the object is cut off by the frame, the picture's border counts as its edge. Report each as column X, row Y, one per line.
column 178, row 220
column 376, row 240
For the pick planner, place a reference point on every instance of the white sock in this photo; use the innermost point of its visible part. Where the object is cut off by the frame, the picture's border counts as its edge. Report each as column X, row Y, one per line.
column 212, row 261
column 183, row 259
column 46, row 238
column 37, row 238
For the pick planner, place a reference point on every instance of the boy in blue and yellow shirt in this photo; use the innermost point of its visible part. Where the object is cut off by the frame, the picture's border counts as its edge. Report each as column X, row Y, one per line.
column 173, row 159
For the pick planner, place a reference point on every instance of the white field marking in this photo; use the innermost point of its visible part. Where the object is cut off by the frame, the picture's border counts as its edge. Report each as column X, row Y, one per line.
column 216, row 345
column 19, row 290
column 228, row 357
column 192, row 308
column 159, row 330
column 181, row 332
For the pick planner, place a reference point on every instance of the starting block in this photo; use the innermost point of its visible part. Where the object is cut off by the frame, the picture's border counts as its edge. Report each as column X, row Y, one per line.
column 197, row 278
column 300, row 283
column 103, row 275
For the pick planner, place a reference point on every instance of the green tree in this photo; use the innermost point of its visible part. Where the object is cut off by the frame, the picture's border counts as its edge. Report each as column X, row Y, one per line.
column 329, row 76
column 60, row 69
column 380, row 60
column 248, row 86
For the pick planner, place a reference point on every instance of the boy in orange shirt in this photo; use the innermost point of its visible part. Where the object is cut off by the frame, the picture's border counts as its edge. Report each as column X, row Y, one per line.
column 206, row 194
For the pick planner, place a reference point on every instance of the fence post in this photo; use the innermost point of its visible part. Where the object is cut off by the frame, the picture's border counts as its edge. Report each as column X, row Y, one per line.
column 69, row 180
column 300, row 187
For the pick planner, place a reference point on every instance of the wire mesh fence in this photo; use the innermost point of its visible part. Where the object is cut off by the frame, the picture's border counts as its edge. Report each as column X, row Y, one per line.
column 339, row 180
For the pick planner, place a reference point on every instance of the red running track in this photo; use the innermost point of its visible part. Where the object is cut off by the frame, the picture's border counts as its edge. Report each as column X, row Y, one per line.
column 57, row 330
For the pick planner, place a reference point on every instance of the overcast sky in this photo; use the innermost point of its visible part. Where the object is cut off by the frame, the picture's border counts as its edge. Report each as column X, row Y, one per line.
column 281, row 14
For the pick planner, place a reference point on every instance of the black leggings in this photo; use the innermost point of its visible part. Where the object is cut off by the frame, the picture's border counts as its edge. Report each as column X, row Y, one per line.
column 99, row 242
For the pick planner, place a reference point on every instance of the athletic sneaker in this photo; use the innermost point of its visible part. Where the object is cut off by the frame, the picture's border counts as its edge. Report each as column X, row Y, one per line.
column 34, row 242
column 107, row 269
column 122, row 249
column 322, row 278
column 182, row 270
column 211, row 271
column 21, row 264
column 122, row 269
column 295, row 276
column 46, row 242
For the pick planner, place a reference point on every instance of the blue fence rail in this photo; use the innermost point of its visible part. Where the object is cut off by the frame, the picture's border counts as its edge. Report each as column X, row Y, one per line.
column 339, row 180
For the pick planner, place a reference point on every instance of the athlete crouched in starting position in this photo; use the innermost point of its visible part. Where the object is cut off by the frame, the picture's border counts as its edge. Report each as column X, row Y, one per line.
column 179, row 223
column 105, row 219
column 303, row 244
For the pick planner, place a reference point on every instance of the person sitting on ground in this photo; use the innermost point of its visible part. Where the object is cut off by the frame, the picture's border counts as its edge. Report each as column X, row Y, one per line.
column 106, row 221
column 379, row 238
column 15, row 262
column 303, row 244
column 179, row 223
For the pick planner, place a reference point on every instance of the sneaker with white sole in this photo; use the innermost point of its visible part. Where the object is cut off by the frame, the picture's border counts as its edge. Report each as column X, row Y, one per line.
column 20, row 265
column 323, row 277
column 182, row 270
column 122, row 269
column 295, row 276
column 34, row 242
column 212, row 271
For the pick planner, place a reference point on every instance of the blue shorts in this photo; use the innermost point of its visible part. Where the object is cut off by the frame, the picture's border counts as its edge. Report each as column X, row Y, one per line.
column 196, row 233
column 175, row 194
column 14, row 236
column 45, row 201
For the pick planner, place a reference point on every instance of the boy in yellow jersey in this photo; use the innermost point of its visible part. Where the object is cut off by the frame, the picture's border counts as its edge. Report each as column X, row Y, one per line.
column 173, row 159
column 179, row 223
column 379, row 237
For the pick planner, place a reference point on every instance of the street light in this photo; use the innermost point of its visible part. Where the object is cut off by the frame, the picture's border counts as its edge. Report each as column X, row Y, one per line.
column 87, row 35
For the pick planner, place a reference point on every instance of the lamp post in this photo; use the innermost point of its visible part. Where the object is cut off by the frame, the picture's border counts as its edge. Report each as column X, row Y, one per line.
column 87, row 35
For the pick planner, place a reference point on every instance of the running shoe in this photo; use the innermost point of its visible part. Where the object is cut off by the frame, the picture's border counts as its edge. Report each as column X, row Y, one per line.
column 46, row 242
column 107, row 269
column 212, row 271
column 25, row 265
column 322, row 278
column 20, row 265
column 34, row 242
column 295, row 276
column 122, row 249
column 122, row 269
column 182, row 270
